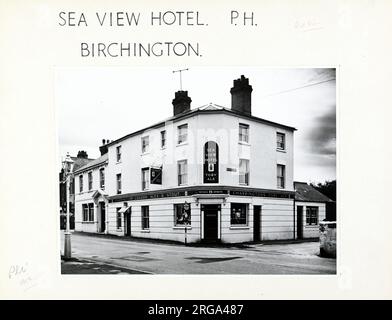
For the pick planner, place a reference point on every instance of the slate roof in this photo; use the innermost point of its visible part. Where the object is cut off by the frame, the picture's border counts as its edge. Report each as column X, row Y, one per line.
column 80, row 162
column 93, row 163
column 305, row 192
column 210, row 108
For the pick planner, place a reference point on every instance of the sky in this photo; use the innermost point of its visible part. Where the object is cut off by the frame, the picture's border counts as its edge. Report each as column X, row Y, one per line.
column 109, row 102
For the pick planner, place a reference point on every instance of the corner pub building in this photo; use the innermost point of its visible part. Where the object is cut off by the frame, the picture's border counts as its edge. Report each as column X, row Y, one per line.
column 233, row 170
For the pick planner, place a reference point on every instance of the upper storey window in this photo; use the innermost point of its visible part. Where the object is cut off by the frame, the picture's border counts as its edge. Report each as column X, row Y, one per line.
column 244, row 171
column 118, row 153
column 281, row 173
column 163, row 139
column 280, row 141
column 118, row 179
column 243, row 133
column 81, row 183
column 145, row 178
column 145, row 144
column 182, row 168
column 182, row 133
column 90, row 181
column 102, row 178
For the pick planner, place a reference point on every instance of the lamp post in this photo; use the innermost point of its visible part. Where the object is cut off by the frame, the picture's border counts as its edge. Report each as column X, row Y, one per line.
column 185, row 216
column 67, row 167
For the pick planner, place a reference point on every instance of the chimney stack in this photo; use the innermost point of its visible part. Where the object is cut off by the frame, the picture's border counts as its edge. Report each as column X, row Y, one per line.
column 181, row 102
column 82, row 154
column 241, row 96
column 104, row 148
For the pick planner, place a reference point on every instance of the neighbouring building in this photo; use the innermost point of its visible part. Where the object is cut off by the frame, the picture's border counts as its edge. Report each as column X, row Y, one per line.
column 310, row 210
column 80, row 160
column 229, row 171
column 91, row 201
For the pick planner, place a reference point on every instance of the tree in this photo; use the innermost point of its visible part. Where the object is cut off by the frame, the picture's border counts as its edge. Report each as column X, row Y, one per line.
column 327, row 188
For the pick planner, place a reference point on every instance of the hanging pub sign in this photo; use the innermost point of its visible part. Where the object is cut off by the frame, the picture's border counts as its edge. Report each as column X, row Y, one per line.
column 156, row 175
column 211, row 162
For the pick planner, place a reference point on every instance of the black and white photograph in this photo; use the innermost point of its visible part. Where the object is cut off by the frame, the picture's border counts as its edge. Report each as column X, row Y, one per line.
column 194, row 156
column 197, row 170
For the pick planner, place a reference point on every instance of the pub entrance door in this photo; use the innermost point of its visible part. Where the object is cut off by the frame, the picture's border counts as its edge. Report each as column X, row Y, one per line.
column 256, row 223
column 127, row 221
column 300, row 210
column 103, row 216
column 210, row 214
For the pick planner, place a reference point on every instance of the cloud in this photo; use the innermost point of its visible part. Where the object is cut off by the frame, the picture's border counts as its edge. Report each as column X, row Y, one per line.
column 322, row 74
column 322, row 135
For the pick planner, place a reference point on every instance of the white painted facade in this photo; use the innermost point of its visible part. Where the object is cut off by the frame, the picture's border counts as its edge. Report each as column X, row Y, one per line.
column 95, row 196
column 309, row 230
column 222, row 128
column 257, row 206
column 276, row 218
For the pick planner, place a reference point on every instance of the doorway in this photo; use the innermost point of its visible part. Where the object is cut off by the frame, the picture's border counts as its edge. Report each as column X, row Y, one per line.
column 300, row 211
column 210, row 214
column 103, row 216
column 256, row 223
column 127, row 222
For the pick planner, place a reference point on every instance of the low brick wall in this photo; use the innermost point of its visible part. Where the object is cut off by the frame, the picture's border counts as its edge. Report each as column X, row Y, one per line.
column 328, row 239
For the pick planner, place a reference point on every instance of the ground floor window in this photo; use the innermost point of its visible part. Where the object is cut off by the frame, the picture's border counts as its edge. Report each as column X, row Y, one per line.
column 88, row 212
column 145, row 217
column 118, row 220
column 179, row 214
column 91, row 212
column 85, row 212
column 239, row 214
column 311, row 216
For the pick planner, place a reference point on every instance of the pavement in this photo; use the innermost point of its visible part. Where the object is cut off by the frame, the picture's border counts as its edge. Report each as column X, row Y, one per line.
column 99, row 254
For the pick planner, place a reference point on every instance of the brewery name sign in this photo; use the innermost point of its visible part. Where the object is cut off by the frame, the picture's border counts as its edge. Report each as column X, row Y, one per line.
column 211, row 162
column 194, row 191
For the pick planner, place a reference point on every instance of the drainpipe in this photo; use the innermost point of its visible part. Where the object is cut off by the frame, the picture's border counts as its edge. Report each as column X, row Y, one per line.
column 294, row 218
column 106, row 217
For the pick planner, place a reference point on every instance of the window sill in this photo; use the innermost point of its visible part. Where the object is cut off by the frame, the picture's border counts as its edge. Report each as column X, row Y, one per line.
column 145, row 230
column 117, row 162
column 239, row 227
column 163, row 148
column 244, row 143
column 182, row 227
column 88, row 222
column 182, row 144
column 244, row 184
column 145, row 153
column 312, row 226
column 281, row 150
column 86, row 192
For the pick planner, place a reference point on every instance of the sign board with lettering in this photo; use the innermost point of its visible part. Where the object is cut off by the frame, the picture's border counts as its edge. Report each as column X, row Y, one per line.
column 156, row 175
column 210, row 190
column 211, row 162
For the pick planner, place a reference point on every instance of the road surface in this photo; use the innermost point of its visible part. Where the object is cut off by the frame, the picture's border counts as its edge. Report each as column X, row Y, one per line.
column 162, row 258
